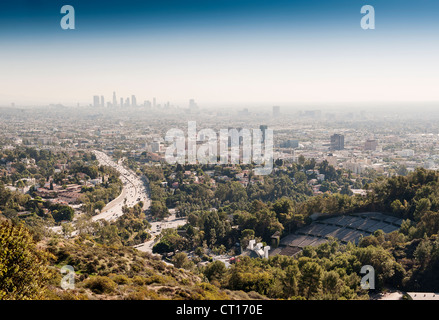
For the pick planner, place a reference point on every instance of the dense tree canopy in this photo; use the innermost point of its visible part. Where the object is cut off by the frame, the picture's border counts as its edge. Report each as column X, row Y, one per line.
column 23, row 267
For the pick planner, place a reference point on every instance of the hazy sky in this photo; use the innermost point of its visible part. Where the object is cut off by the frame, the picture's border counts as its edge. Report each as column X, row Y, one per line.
column 224, row 51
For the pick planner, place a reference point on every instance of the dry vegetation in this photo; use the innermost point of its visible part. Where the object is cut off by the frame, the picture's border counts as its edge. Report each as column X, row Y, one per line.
column 106, row 272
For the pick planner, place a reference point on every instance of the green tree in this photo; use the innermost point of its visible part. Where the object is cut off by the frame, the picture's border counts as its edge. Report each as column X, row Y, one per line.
column 422, row 206
column 23, row 267
column 159, row 209
column 331, row 283
column 422, row 253
column 397, row 207
column 311, row 280
column 63, row 213
column 300, row 177
column 99, row 205
column 215, row 271
column 291, row 282
column 180, row 260
column 345, row 189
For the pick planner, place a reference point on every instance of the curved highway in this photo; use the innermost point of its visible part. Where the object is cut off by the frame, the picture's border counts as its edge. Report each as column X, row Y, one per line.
column 134, row 190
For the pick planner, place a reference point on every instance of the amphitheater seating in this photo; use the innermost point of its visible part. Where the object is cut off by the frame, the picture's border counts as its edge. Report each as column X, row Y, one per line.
column 347, row 228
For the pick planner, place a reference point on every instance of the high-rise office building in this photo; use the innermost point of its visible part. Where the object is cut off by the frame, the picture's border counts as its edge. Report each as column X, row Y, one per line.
column 102, row 102
column 96, row 101
column 193, row 106
column 127, row 102
column 192, row 103
column 114, row 100
column 133, row 101
column 121, row 102
column 153, row 103
column 370, row 145
column 155, row 146
column 263, row 127
column 276, row 111
column 337, row 142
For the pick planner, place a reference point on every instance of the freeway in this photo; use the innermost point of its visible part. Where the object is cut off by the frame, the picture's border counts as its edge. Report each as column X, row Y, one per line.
column 134, row 190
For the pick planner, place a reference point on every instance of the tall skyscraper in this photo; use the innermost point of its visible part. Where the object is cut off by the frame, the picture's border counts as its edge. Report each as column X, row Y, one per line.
column 153, row 103
column 127, row 102
column 133, row 101
column 121, row 102
column 276, row 111
column 96, row 102
column 102, row 102
column 193, row 106
column 337, row 142
column 114, row 99
column 263, row 127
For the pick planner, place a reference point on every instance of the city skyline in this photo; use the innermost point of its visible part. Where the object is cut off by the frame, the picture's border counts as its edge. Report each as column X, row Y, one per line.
column 131, row 101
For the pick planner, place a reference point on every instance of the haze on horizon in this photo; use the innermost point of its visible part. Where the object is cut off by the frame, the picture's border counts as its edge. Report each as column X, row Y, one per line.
column 230, row 52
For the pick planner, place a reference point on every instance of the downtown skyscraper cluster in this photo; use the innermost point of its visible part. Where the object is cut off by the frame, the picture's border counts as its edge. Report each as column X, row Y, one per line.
column 127, row 102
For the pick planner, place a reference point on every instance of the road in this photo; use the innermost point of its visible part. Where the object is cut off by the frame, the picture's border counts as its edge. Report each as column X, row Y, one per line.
column 156, row 227
column 134, row 190
column 395, row 295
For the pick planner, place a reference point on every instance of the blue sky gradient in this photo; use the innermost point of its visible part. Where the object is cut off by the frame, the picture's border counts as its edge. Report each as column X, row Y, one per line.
column 219, row 51
column 104, row 18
